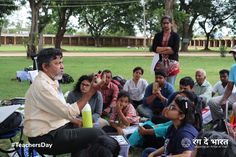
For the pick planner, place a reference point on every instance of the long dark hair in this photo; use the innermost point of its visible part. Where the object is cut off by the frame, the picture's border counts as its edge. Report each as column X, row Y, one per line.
column 195, row 110
column 186, row 108
column 80, row 80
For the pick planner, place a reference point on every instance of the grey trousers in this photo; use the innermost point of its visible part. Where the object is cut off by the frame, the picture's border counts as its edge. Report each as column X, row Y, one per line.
column 215, row 106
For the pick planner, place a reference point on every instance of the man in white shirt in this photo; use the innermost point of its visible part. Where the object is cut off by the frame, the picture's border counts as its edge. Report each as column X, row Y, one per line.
column 202, row 87
column 136, row 87
column 219, row 87
column 49, row 120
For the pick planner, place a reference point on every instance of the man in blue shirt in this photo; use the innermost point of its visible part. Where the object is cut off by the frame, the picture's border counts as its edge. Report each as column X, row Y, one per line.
column 155, row 99
column 218, row 103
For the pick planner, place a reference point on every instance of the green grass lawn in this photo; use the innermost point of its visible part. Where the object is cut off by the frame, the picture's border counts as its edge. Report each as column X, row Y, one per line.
column 77, row 66
column 22, row 48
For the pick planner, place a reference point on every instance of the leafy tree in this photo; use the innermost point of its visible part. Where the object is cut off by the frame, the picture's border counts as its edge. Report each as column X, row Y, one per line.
column 107, row 17
column 169, row 10
column 124, row 26
column 63, row 11
column 216, row 17
column 154, row 10
column 6, row 9
column 190, row 12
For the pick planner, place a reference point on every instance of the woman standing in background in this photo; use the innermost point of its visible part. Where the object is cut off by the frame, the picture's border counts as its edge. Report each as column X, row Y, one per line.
column 166, row 44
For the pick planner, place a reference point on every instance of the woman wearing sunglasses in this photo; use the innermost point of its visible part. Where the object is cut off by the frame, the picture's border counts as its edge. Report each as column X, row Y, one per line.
column 180, row 135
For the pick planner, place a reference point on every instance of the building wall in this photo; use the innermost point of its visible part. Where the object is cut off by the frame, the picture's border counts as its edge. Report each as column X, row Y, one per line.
column 70, row 40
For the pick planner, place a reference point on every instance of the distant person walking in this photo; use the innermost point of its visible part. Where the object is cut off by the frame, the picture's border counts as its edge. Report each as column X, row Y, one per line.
column 166, row 44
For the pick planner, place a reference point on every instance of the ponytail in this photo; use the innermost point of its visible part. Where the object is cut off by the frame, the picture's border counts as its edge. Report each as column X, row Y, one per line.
column 189, row 107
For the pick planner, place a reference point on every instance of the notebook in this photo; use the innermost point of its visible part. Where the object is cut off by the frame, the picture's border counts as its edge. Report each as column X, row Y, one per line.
column 6, row 111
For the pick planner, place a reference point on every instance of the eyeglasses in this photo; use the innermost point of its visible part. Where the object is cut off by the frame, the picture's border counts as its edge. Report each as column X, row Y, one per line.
column 172, row 107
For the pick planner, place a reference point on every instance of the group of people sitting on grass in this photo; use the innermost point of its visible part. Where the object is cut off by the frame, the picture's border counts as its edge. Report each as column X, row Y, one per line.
column 164, row 109
column 173, row 119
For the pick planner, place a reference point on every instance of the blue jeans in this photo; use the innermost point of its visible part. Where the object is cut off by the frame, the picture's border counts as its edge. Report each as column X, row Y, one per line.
column 148, row 151
column 171, row 80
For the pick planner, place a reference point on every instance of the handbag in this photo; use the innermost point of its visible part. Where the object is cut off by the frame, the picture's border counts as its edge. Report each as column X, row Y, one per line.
column 170, row 66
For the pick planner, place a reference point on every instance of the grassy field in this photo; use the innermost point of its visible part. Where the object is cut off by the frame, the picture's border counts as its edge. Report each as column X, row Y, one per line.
column 77, row 66
column 22, row 48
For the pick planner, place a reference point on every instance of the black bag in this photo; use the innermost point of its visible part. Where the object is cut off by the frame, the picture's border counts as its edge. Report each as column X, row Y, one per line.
column 119, row 81
column 12, row 122
column 200, row 104
column 66, row 79
column 14, row 101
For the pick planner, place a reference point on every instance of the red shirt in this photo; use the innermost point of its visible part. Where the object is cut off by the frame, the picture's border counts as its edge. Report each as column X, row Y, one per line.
column 109, row 94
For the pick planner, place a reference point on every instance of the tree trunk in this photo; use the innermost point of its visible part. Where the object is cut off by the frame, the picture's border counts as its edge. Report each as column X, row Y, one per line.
column 97, row 42
column 40, row 45
column 33, row 35
column 207, row 41
column 0, row 34
column 185, row 36
column 59, row 38
column 169, row 8
column 64, row 15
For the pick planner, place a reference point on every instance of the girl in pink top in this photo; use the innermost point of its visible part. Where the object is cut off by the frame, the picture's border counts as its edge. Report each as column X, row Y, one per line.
column 123, row 114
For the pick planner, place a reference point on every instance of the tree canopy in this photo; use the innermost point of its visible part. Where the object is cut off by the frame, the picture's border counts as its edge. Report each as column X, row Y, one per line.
column 122, row 17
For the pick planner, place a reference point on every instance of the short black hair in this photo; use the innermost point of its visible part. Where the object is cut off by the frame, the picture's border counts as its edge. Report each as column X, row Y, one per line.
column 45, row 56
column 161, row 72
column 106, row 71
column 187, row 81
column 138, row 68
column 224, row 71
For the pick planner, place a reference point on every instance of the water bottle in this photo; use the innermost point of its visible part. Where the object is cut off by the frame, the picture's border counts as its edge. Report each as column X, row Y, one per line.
column 87, row 116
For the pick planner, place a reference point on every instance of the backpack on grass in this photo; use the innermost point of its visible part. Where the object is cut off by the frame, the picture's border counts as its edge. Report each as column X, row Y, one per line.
column 119, row 81
column 11, row 123
column 14, row 120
